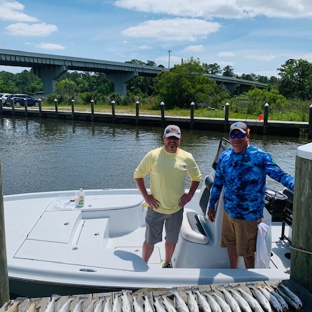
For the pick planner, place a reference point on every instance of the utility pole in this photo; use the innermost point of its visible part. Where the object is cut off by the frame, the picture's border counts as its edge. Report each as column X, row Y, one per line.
column 169, row 51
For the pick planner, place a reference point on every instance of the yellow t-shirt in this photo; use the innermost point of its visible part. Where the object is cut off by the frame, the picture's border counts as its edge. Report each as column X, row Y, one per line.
column 167, row 176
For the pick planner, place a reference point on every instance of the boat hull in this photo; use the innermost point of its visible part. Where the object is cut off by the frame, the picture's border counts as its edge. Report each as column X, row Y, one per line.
column 54, row 247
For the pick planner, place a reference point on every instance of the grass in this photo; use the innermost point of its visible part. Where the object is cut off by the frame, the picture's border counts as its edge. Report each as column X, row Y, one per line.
column 298, row 116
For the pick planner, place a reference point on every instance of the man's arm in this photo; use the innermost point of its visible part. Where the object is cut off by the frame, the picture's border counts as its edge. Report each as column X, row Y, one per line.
column 149, row 199
column 187, row 197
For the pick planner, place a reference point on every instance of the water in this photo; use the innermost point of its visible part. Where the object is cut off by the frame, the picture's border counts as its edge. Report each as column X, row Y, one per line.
column 48, row 155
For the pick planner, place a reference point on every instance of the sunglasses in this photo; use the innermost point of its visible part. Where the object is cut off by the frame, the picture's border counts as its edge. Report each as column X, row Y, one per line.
column 237, row 135
column 172, row 138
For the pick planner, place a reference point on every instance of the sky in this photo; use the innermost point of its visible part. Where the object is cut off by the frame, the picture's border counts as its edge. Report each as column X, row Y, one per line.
column 252, row 36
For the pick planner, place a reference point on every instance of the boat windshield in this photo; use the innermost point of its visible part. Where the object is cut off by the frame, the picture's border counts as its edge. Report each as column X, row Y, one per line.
column 223, row 145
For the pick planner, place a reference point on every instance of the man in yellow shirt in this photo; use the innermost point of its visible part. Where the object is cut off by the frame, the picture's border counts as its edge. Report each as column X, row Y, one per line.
column 168, row 167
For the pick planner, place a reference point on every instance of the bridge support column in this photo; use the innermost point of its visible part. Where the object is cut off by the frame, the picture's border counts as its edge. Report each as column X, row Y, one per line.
column 120, row 79
column 49, row 74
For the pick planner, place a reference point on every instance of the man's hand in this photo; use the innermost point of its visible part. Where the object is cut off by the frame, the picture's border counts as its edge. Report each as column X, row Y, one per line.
column 185, row 198
column 211, row 214
column 152, row 202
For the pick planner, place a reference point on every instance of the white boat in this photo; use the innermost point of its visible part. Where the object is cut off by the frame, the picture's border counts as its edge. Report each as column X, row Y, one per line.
column 55, row 247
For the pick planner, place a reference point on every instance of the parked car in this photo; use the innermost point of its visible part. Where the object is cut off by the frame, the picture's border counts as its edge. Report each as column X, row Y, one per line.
column 4, row 97
column 19, row 100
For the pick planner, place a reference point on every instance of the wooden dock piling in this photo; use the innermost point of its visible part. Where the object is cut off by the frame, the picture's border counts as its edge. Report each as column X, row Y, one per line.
column 4, row 281
column 301, row 255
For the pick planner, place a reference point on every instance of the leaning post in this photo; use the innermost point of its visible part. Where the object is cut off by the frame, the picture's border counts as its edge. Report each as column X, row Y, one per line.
column 226, row 117
column 192, row 115
column 113, row 110
column 162, row 112
column 4, row 278
column 265, row 118
column 310, row 123
column 301, row 254
column 25, row 106
column 137, row 112
column 56, row 107
column 92, row 110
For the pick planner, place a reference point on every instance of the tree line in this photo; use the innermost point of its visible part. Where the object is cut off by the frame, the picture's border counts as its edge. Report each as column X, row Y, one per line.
column 182, row 84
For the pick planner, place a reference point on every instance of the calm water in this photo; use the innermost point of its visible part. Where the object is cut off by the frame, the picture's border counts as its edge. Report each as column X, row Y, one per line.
column 47, row 155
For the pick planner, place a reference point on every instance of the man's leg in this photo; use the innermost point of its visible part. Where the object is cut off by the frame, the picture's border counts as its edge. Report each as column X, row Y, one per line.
column 233, row 257
column 147, row 251
column 169, row 248
column 249, row 262
column 172, row 227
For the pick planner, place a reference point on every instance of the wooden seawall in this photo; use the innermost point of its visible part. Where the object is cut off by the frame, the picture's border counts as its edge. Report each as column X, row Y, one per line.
column 283, row 128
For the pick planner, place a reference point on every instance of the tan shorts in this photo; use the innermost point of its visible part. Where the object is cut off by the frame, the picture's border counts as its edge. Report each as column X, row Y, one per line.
column 239, row 233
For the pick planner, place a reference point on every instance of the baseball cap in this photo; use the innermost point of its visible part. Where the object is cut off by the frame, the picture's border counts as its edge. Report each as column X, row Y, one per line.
column 172, row 130
column 242, row 127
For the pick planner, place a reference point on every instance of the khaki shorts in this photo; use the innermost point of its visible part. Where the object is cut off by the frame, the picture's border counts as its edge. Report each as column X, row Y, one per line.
column 155, row 222
column 239, row 233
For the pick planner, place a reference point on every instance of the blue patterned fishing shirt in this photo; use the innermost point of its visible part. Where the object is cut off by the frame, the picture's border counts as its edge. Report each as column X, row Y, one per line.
column 243, row 176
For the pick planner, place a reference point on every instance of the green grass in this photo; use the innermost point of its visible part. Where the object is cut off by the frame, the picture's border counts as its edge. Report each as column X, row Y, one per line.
column 294, row 115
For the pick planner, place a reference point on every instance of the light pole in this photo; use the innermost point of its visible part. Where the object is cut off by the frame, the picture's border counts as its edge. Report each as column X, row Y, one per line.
column 169, row 59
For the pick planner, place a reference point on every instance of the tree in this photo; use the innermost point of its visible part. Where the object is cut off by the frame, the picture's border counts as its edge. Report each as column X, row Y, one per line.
column 134, row 61
column 66, row 88
column 296, row 79
column 228, row 71
column 186, row 83
column 212, row 69
column 141, row 85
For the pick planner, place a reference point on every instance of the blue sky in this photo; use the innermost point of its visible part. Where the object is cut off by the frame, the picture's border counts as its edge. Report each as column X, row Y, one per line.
column 252, row 36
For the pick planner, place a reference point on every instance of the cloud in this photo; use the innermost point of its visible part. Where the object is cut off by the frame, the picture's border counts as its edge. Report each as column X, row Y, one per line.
column 261, row 57
column 145, row 47
column 33, row 30
column 177, row 29
column 222, row 8
column 225, row 63
column 194, row 48
column 49, row 46
column 304, row 56
column 12, row 11
column 226, row 54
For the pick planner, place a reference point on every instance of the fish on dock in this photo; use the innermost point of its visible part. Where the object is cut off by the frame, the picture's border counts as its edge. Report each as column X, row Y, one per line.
column 253, row 303
column 136, row 304
column 221, row 302
column 264, row 302
column 243, row 304
column 291, row 295
column 230, row 300
column 191, row 301
column 202, row 302
column 168, row 304
column 180, row 303
column 215, row 307
column 158, row 304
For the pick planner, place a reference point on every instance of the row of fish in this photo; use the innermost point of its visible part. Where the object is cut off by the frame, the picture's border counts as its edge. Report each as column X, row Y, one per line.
column 234, row 299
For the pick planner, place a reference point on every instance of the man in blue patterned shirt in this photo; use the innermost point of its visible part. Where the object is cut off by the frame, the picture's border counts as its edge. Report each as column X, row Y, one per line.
column 242, row 171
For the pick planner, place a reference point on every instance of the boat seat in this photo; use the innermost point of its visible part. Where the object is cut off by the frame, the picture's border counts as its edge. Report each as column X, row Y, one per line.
column 192, row 229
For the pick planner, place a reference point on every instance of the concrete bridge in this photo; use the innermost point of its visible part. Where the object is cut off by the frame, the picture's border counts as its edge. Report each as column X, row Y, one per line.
column 50, row 67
